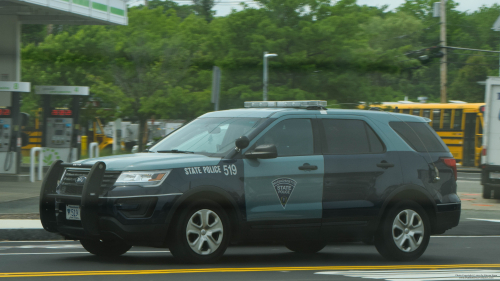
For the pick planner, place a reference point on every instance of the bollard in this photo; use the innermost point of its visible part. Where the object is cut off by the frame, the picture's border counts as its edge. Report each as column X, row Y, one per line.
column 32, row 163
column 91, row 150
column 84, row 145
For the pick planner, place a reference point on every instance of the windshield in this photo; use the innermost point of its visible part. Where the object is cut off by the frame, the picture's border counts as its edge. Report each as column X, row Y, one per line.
column 209, row 136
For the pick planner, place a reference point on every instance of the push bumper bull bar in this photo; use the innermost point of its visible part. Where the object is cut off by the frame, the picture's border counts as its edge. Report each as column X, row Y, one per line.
column 89, row 198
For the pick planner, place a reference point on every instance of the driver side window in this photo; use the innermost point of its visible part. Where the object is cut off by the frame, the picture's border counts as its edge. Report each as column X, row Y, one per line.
column 292, row 137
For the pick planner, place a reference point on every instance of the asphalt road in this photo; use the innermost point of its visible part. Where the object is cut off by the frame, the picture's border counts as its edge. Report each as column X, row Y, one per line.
column 445, row 256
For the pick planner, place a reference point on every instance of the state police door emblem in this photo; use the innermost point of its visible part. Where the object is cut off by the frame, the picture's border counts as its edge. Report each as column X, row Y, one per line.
column 284, row 188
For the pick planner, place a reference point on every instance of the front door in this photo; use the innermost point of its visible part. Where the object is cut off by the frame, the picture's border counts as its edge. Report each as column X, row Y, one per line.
column 287, row 190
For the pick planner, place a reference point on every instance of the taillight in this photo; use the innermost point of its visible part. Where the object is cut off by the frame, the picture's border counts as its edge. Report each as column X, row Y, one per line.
column 484, row 152
column 452, row 163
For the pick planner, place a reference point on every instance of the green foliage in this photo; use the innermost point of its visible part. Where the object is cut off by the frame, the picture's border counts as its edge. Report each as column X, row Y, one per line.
column 160, row 65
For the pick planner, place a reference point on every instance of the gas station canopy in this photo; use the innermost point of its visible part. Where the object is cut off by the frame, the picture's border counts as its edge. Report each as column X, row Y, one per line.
column 80, row 12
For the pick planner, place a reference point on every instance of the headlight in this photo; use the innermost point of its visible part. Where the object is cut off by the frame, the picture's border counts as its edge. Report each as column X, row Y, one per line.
column 142, row 178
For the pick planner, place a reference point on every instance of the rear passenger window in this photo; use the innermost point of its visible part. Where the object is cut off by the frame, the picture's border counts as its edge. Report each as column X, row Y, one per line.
column 458, row 119
column 419, row 136
column 436, row 119
column 350, row 137
column 447, row 119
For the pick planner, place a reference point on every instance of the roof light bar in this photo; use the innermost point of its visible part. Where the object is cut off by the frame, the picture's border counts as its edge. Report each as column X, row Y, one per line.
column 285, row 104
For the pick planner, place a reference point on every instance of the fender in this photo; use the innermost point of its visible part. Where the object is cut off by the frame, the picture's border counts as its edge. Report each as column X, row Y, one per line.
column 400, row 189
column 193, row 191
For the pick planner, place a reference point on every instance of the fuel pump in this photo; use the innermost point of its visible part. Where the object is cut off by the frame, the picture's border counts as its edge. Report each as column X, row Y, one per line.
column 59, row 130
column 61, row 126
column 7, row 144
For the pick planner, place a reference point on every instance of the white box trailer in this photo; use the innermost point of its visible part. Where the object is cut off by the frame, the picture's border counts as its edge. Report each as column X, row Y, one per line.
column 490, row 159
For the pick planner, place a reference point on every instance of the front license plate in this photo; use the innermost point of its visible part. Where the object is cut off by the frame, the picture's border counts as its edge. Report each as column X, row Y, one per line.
column 494, row 175
column 73, row 212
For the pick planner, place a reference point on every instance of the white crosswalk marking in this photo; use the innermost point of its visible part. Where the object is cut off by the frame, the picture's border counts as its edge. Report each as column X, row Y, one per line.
column 416, row 275
column 49, row 246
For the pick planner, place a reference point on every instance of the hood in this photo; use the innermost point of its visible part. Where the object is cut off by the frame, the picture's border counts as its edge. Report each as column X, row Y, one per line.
column 152, row 161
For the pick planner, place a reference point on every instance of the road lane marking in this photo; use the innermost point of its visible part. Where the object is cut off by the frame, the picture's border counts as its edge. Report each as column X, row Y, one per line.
column 48, row 241
column 490, row 220
column 67, row 253
column 395, row 275
column 247, row 269
column 463, row 236
column 38, row 246
column 483, row 205
column 20, row 224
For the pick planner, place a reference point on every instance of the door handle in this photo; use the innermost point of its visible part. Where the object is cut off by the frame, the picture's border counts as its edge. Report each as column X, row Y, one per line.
column 385, row 165
column 306, row 167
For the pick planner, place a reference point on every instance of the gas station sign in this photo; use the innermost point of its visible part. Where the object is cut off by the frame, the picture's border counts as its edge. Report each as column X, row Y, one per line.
column 8, row 86
column 62, row 90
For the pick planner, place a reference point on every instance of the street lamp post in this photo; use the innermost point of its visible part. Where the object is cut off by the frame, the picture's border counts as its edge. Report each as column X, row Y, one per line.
column 266, row 55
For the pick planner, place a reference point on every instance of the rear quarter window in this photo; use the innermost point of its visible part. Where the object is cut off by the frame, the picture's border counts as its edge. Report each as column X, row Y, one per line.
column 419, row 136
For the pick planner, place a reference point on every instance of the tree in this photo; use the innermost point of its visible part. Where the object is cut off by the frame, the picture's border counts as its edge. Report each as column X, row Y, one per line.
column 465, row 86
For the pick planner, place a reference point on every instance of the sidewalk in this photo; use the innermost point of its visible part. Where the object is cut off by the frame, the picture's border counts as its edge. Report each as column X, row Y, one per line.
column 19, row 197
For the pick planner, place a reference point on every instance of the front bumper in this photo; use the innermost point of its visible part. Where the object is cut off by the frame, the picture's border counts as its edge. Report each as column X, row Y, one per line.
column 140, row 220
column 447, row 216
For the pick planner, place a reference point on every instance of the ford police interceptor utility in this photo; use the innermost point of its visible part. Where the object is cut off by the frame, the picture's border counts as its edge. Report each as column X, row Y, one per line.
column 292, row 172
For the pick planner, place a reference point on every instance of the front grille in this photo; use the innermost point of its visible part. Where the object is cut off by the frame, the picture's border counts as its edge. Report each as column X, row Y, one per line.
column 69, row 186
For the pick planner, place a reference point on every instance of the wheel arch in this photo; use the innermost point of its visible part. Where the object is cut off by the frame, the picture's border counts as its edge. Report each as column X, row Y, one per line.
column 413, row 193
column 213, row 193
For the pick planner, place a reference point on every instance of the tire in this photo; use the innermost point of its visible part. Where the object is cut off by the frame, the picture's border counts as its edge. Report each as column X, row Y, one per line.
column 370, row 240
column 105, row 248
column 486, row 192
column 214, row 231
column 305, row 247
column 413, row 238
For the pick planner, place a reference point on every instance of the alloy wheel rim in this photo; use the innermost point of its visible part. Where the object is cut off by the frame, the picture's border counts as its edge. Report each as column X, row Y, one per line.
column 204, row 232
column 408, row 230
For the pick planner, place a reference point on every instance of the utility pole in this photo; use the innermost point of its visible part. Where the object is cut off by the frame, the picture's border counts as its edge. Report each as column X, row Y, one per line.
column 444, row 69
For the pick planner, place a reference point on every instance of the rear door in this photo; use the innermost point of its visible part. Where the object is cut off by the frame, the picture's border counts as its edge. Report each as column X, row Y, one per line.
column 359, row 168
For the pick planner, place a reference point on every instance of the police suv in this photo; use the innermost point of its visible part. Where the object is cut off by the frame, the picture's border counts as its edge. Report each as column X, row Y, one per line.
column 291, row 171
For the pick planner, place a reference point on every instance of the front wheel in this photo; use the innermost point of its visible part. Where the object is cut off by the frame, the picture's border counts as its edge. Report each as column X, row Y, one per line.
column 201, row 233
column 105, row 248
column 404, row 232
column 305, row 247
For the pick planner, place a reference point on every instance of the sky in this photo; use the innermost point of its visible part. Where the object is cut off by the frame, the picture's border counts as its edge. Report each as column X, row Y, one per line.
column 224, row 7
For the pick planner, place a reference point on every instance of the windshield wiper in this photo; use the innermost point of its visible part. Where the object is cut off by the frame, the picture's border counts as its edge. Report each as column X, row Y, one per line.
column 173, row 151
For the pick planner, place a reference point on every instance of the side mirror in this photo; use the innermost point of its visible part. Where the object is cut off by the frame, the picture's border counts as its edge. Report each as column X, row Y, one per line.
column 242, row 142
column 264, row 151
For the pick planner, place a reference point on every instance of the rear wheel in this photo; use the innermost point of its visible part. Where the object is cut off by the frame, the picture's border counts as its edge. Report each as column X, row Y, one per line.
column 305, row 247
column 201, row 233
column 404, row 232
column 105, row 248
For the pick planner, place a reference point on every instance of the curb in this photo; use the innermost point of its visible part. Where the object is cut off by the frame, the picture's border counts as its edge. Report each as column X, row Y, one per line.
column 25, row 230
column 28, row 235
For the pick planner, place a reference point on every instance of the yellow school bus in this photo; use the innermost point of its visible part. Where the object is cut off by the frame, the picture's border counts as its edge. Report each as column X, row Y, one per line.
column 460, row 126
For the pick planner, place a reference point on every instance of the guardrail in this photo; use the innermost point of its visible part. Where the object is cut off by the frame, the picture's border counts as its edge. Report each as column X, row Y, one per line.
column 93, row 146
column 32, row 163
